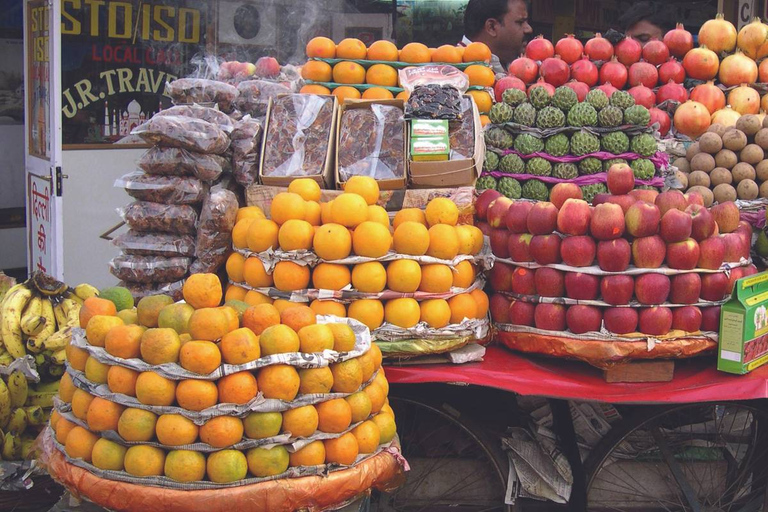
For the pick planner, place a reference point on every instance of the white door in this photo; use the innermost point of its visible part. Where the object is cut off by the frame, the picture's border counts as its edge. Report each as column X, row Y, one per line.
column 42, row 141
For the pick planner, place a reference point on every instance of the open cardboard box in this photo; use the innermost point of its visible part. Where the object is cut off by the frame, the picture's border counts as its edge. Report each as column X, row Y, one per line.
column 450, row 173
column 392, row 184
column 324, row 176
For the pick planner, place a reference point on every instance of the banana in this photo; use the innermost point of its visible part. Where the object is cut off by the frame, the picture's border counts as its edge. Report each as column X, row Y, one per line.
column 30, row 317
column 11, row 447
column 10, row 328
column 17, row 387
column 27, row 447
column 32, row 325
column 56, row 370
column 58, row 340
column 60, row 314
column 18, row 422
column 5, row 357
column 59, row 357
column 35, row 415
column 46, row 387
column 5, row 404
column 41, row 398
column 86, row 291
column 72, row 309
column 35, row 343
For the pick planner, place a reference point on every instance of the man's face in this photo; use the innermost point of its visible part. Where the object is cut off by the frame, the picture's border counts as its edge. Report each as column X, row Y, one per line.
column 511, row 32
column 645, row 31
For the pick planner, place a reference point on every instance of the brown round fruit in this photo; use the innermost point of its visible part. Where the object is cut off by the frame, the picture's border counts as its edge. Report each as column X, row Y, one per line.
column 699, row 179
column 720, row 175
column 710, row 143
column 743, row 171
column 682, row 164
column 703, row 162
column 683, row 179
column 717, row 128
column 752, row 154
column 705, row 193
column 734, row 139
column 726, row 158
column 747, row 189
column 724, row 192
column 765, row 122
column 692, row 151
column 764, row 190
column 761, row 138
column 762, row 171
column 749, row 124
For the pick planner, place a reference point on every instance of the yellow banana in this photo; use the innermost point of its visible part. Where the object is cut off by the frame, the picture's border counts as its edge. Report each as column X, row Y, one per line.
column 59, row 357
column 56, row 370
column 58, row 340
column 10, row 327
column 32, row 325
column 86, row 291
column 27, row 447
column 5, row 404
column 30, row 319
column 11, row 447
column 75, row 298
column 46, row 387
column 42, row 398
column 18, row 422
column 5, row 357
column 35, row 415
column 18, row 388
column 72, row 308
column 60, row 314
column 35, row 343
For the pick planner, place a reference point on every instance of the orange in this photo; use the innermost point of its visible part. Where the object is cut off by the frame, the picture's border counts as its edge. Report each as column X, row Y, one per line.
column 226, row 466
column 108, row 455
column 371, row 240
column 312, row 454
column 295, row 235
column 334, row 416
column 462, row 306
column 249, row 212
column 381, row 74
column 343, row 337
column 257, row 318
column 443, row 242
column 103, row 415
column 262, row 235
column 403, row 276
column 176, row 317
column 377, row 93
column 196, row 395
column 470, row 241
column 480, row 75
column 240, row 346
column 387, row 427
column 286, row 206
column 483, row 99
column 403, row 95
column 200, row 357
column 380, row 379
column 120, row 380
column 96, row 371
column 240, row 232
column 202, row 291
column 317, row 71
column 464, row 274
column 237, row 388
column 332, row 242
column 364, row 186
column 382, row 50
column 315, row 338
column 208, row 324
column 481, row 302
column 314, row 214
column 402, row 312
column 282, row 304
column 76, row 357
column 314, row 89
column 351, row 48
column 63, row 428
column 254, row 298
column 349, row 209
column 279, row 381
column 148, row 309
column 361, row 406
column 222, row 431
column 367, row 364
column 329, row 307
column 80, row 443
column 377, row 396
column 184, row 466
column 67, row 387
column 368, row 311
column 368, row 436
column 330, row 276
column 233, row 316
column 99, row 326
column 342, row 450
column 477, row 52
column 175, row 430
column 321, row 48
column 95, row 306
column 347, row 376
column 307, row 188
column 325, row 212
column 235, row 293
column 411, row 238
column 415, row 53
column 378, row 214
column 278, row 339
column 484, row 120
column 301, row 421
column 409, row 215
column 447, row 53
column 376, row 356
column 81, row 400
column 370, row 277
column 315, row 380
column 137, row 425
column 143, row 460
column 264, row 462
column 261, row 425
column 442, row 210
column 346, row 72
column 435, row 312
column 153, row 389
column 298, row 317
column 160, row 346
column 436, row 278
column 290, row 276
column 344, row 92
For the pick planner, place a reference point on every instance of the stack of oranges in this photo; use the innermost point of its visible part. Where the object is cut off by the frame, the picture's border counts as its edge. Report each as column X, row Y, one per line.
column 382, row 75
column 211, row 355
column 423, row 256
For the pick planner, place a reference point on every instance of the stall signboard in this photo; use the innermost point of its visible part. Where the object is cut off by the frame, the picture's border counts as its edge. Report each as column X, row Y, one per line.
column 116, row 59
column 40, row 233
column 38, row 79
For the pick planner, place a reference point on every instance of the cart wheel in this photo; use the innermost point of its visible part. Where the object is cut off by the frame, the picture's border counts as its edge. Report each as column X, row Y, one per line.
column 694, row 457
column 455, row 466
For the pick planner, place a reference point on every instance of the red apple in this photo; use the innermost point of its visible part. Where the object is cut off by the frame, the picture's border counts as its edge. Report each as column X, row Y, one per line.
column 550, row 282
column 267, row 67
column 620, row 179
column 561, row 192
column 643, row 194
column 499, row 242
column 642, row 219
column 652, row 289
column 624, row 201
column 735, row 247
column 687, row 318
column 483, row 201
column 671, row 200
column 694, row 198
column 714, row 286
column 683, row 255
column 686, row 288
column 655, row 321
column 726, row 216
column 581, row 319
column 620, row 320
column 750, row 270
column 736, row 274
column 581, row 286
column 497, row 211
column 600, row 199
column 499, row 307
column 573, row 218
column 702, row 222
column 519, row 247
column 545, row 249
column 484, row 227
column 617, row 290
column 517, row 216
column 550, row 317
column 542, row 219
column 614, row 255
column 521, row 313
column 523, row 281
column 676, row 225
column 710, row 319
column 578, row 251
column 648, row 252
column 501, row 277
column 607, row 221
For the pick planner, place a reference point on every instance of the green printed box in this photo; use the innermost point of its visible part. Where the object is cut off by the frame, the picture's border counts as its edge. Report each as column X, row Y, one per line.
column 744, row 326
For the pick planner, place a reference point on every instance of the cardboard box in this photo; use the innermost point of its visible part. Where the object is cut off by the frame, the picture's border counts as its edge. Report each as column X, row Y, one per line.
column 743, row 342
column 393, row 184
column 451, row 173
column 325, row 176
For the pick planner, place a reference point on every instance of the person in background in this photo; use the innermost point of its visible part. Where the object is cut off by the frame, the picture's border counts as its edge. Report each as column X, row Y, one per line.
column 500, row 24
column 646, row 21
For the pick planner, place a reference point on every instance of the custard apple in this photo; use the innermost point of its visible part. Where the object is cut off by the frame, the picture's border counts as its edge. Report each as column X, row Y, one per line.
column 610, row 116
column 510, row 187
column 539, row 97
column 590, row 191
column 582, row 114
column 608, row 163
column 513, row 97
column 643, row 168
column 485, row 182
column 536, row 190
column 525, row 114
column 550, row 117
column 512, row 164
column 637, row 115
column 583, row 143
column 597, row 99
column 527, row 144
column 501, row 113
column 647, row 187
column 564, row 98
column 557, row 145
column 538, row 167
column 491, row 162
column 499, row 138
column 614, row 142
column 622, row 99
column 644, row 145
column 590, row 165
column 565, row 171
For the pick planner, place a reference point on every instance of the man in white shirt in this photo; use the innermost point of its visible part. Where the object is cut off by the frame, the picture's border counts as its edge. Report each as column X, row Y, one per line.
column 500, row 24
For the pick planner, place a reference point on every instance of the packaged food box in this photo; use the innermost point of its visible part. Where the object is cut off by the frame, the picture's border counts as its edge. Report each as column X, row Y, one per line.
column 430, row 149
column 743, row 342
column 429, row 128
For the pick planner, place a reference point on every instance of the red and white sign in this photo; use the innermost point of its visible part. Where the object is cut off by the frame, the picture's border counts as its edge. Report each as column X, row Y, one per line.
column 39, row 204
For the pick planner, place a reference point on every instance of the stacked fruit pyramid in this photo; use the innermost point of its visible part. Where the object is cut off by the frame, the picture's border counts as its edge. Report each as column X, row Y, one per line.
column 199, row 396
column 415, row 283
column 548, row 136
column 597, row 283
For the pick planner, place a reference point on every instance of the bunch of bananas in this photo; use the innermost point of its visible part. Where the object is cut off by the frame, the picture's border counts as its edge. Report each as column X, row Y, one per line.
column 24, row 410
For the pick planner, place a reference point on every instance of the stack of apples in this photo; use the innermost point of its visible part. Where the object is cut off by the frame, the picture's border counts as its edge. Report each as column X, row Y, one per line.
column 635, row 262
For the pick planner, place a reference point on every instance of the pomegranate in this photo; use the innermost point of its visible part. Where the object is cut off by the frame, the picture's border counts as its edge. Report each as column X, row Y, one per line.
column 719, row 35
column 737, row 69
column 584, row 70
column 541, row 83
column 580, row 88
column 599, row 48
column 643, row 95
column 525, row 69
column 692, row 119
column 752, row 38
column 744, row 100
column 508, row 82
column 569, row 48
column 671, row 91
column 726, row 116
column 671, row 70
column 661, row 117
column 628, row 51
column 655, row 52
column 764, row 102
column 607, row 88
column 643, row 73
column 679, row 41
column 762, row 71
column 614, row 72
column 701, row 63
column 709, row 95
column 539, row 48
column 555, row 71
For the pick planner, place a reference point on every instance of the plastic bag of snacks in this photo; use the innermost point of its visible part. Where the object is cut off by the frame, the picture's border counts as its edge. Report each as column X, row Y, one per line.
column 208, row 114
column 162, row 189
column 371, row 143
column 254, row 96
column 246, row 146
column 166, row 218
column 435, row 91
column 201, row 90
column 140, row 290
column 180, row 162
column 148, row 269
column 462, row 133
column 155, row 244
column 214, row 234
column 184, row 132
